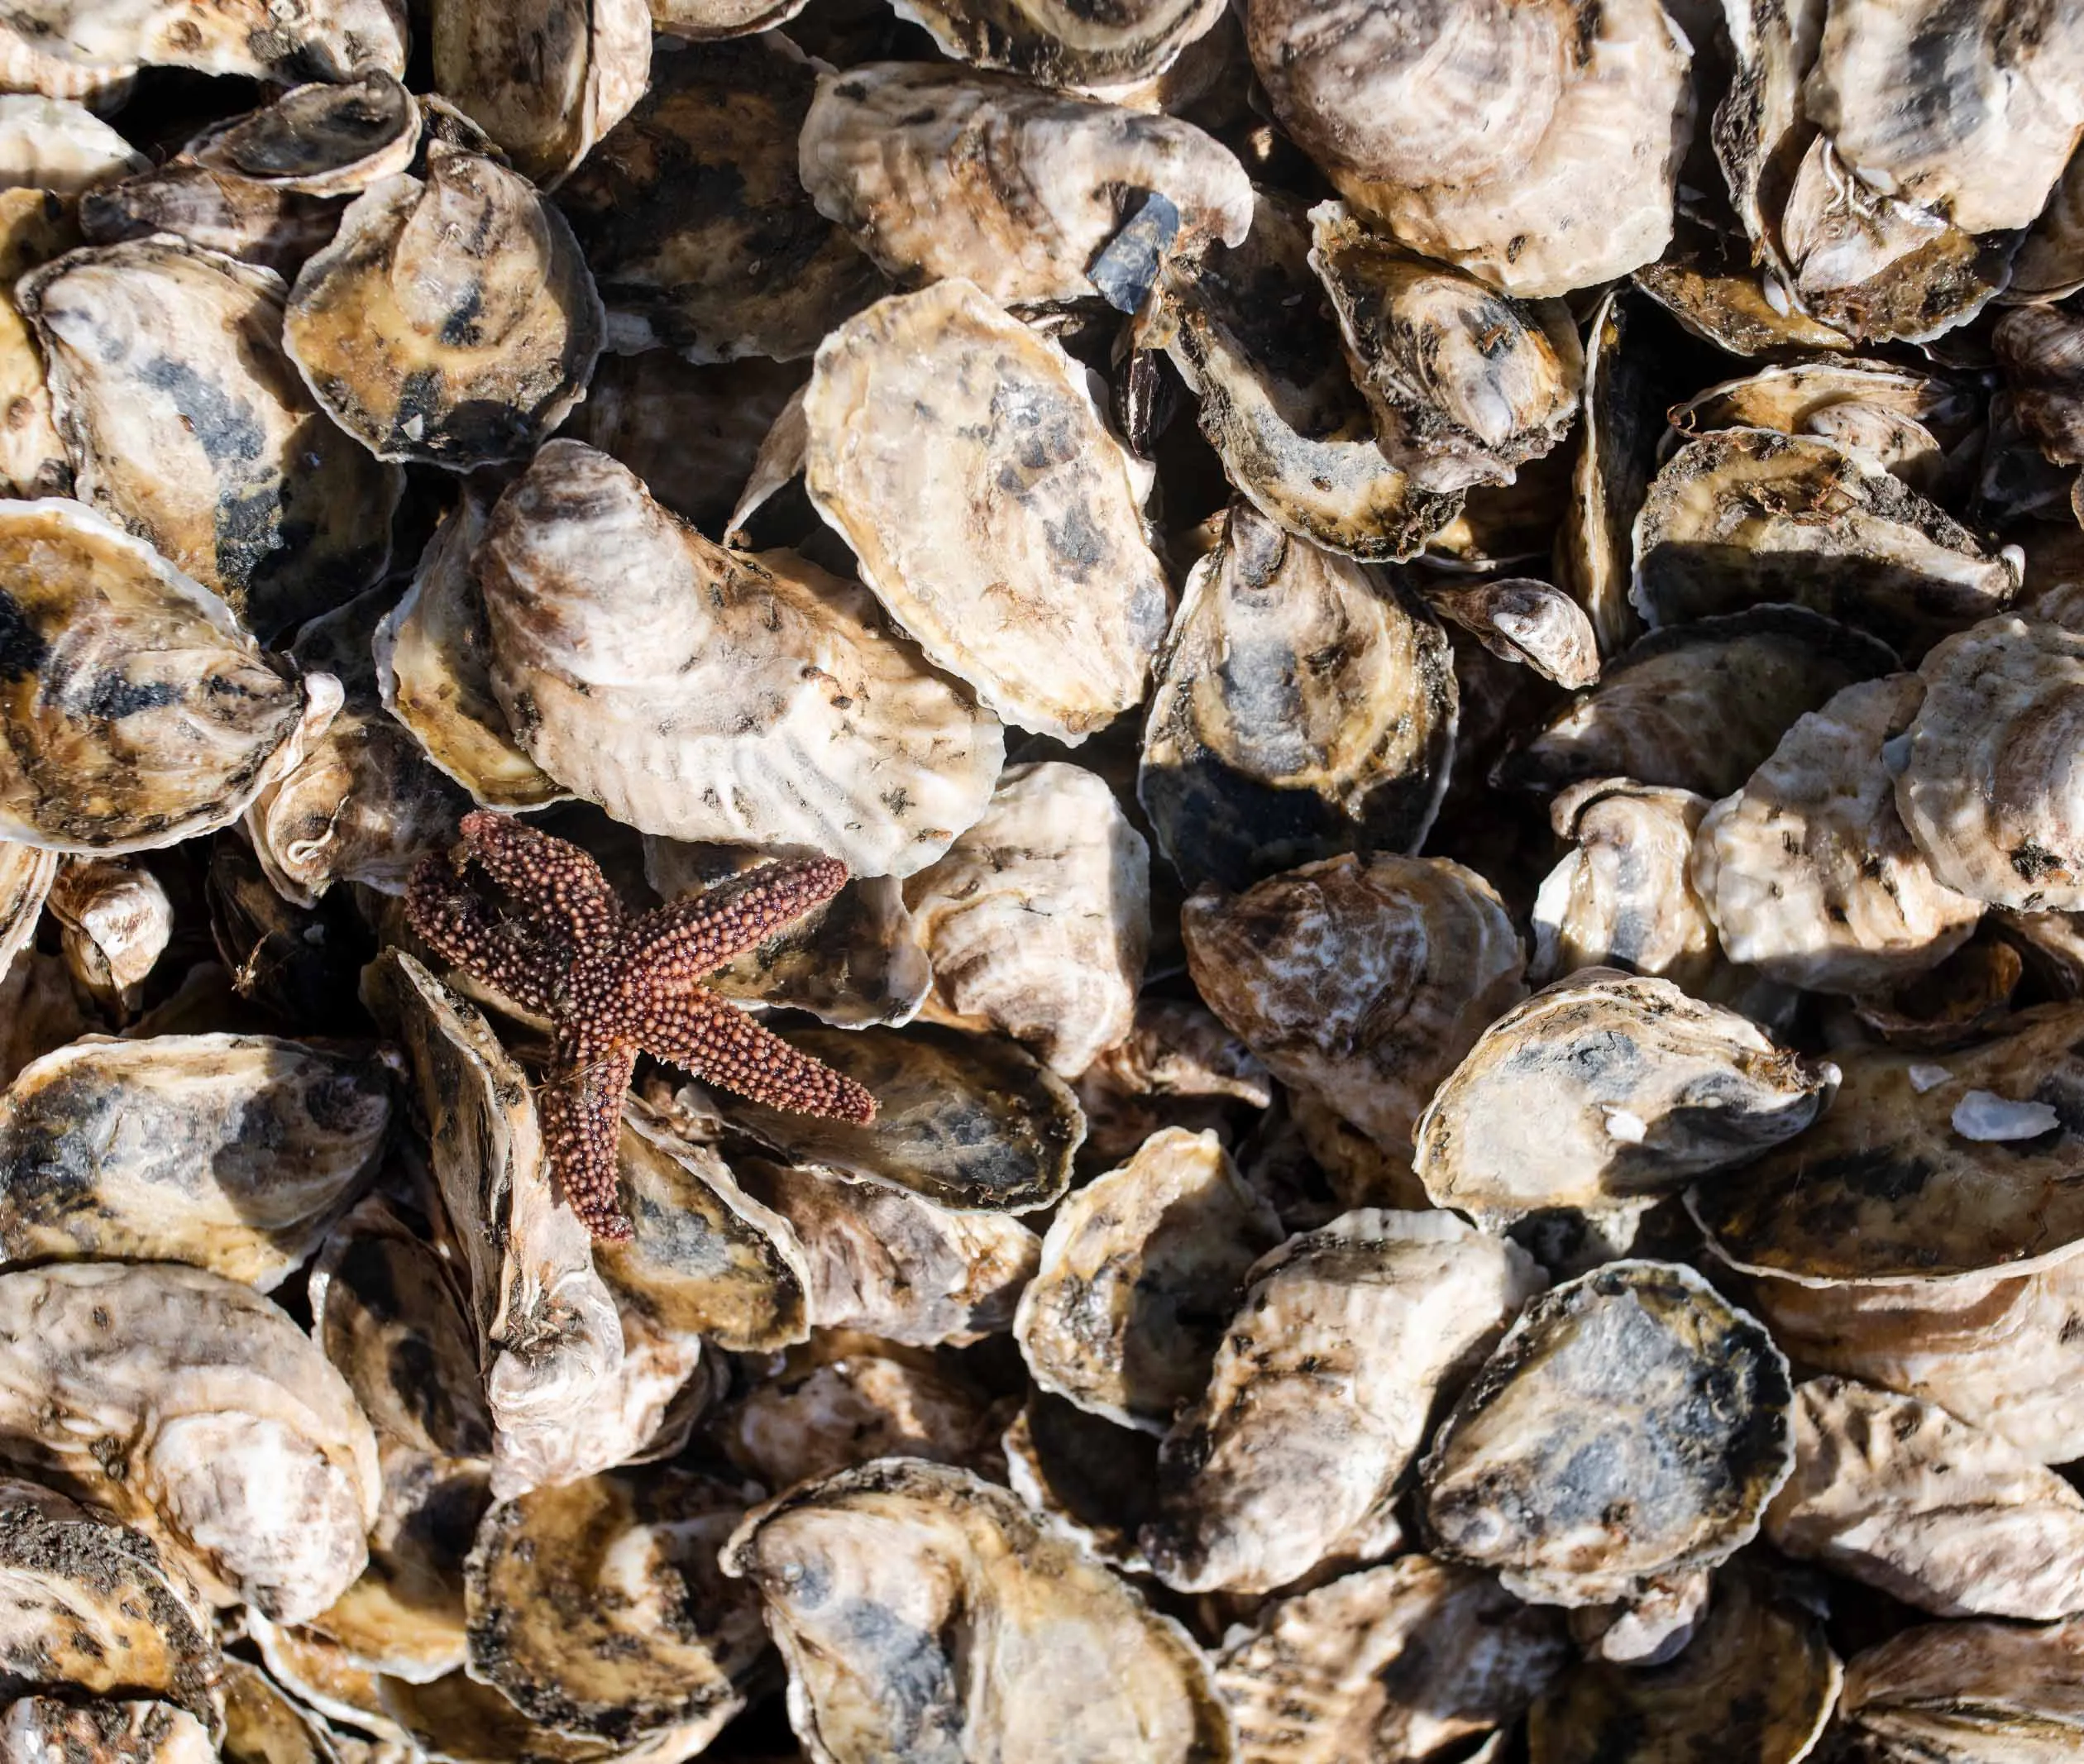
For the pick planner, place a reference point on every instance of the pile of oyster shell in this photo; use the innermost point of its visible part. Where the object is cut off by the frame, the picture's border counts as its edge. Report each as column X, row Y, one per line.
column 1446, row 641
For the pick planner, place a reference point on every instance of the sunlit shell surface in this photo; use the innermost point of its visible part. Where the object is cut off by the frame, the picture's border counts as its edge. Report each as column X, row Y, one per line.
column 262, row 39
column 106, row 1731
column 51, row 144
column 321, row 138
column 1622, row 898
column 1967, row 1693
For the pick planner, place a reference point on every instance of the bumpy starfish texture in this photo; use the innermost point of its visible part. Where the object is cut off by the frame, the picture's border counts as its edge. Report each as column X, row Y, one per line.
column 614, row 986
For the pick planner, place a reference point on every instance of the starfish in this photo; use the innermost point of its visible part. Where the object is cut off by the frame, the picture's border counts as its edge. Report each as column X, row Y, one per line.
column 614, row 985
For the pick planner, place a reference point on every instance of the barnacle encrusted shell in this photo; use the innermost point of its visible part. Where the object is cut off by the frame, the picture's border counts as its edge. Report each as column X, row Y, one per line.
column 1631, row 1426
column 1037, row 919
column 232, row 1153
column 1320, row 1395
column 185, row 423
column 1744, row 515
column 452, row 320
column 1607, row 1091
column 1138, row 1271
column 1395, row 1662
column 991, row 511
column 262, row 39
column 1535, row 146
column 1698, row 706
column 137, row 712
column 1986, row 786
column 597, row 1608
column 938, row 171
column 1967, row 1694
column 1895, row 1492
column 320, row 140
column 1758, row 1681
column 545, row 81
column 1302, row 708
column 2042, row 349
column 1466, row 384
column 106, row 1730
column 190, row 1406
column 1622, row 897
column 709, row 694
column 1361, row 981
column 714, row 267
column 1251, row 332
column 52, row 144
column 1061, row 43
column 922, row 1612
column 1809, row 873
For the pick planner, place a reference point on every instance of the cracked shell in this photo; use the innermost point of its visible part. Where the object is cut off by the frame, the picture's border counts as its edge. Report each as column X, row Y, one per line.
column 1623, row 898
column 1967, row 1694
column 1060, row 43
column 993, row 513
column 922, row 1613
column 1809, row 872
column 190, row 1406
column 1402, row 1661
column 1303, row 707
column 1140, row 1270
column 941, row 171
column 1362, row 981
column 1608, row 1092
column 453, row 320
column 320, row 140
column 284, row 40
column 1320, row 1395
column 1631, row 1426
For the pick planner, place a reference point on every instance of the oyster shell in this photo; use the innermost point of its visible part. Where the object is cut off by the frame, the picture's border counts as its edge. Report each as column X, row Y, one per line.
column 1055, row 43
column 262, row 1725
column 184, row 422
column 1140, row 1270
column 1037, row 919
column 941, row 171
column 698, row 234
column 51, row 144
column 451, row 321
column 1606, row 1092
column 232, row 1153
column 1092, row 1481
column 1519, row 619
column 923, row 1612
column 1303, row 707
column 1895, row 1492
column 2042, row 349
column 707, row 694
column 34, row 226
column 2050, row 263
column 1757, row 129
column 1967, row 1694
column 704, row 21
column 1320, row 1396
column 26, row 65
column 35, row 1728
column 320, row 140
column 1361, row 982
column 262, row 39
column 26, row 877
column 1809, row 872
column 1798, row 398
column 1536, row 146
column 1402, row 1662
column 1631, row 1426
column 218, row 211
column 114, row 919
column 190, row 1405
column 1623, row 898
column 1019, row 563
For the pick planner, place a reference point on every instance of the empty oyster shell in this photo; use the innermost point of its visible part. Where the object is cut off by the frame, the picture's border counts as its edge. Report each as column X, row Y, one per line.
column 1396, row 1662
column 1623, row 898
column 219, row 211
column 2042, row 349
column 1140, row 1271
column 35, row 1728
column 1252, row 333
column 184, row 422
column 993, row 514
column 1743, row 516
column 921, row 1611
column 1466, row 385
column 1895, row 1492
column 1758, row 1681
column 232, row 1153
column 1361, row 981
column 263, row 38
column 115, row 920
column 545, row 83
column 1302, row 708
column 597, row 1608
column 1037, row 919
column 451, row 321
column 1799, row 397
column 190, row 1405
column 716, row 267
column 1608, row 1092
column 1535, row 145
column 940, row 171
column 1519, row 619
column 1697, row 706
column 1321, row 1394
column 50, row 144
column 1631, row 1426
column 1967, row 1694
column 320, row 140
column 1809, row 873
column 707, row 694
column 1058, row 44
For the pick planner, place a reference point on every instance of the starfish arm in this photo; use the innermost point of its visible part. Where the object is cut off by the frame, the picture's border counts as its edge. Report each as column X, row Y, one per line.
column 509, row 955
column 675, row 944
column 721, row 1043
column 580, row 1105
column 551, row 879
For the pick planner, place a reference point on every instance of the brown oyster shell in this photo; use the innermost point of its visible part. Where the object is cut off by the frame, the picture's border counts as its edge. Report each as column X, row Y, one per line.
column 115, row 920
column 451, row 321
column 1967, row 1694
column 2050, row 263
column 1626, row 1356
column 320, row 140
column 2042, row 349
column 34, row 228
column 1320, row 1395
column 257, row 224
column 105, row 1732
column 1757, row 130
column 1622, row 898
column 263, row 1725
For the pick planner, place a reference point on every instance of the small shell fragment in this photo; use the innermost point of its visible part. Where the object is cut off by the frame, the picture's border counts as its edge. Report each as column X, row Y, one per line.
column 115, row 921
